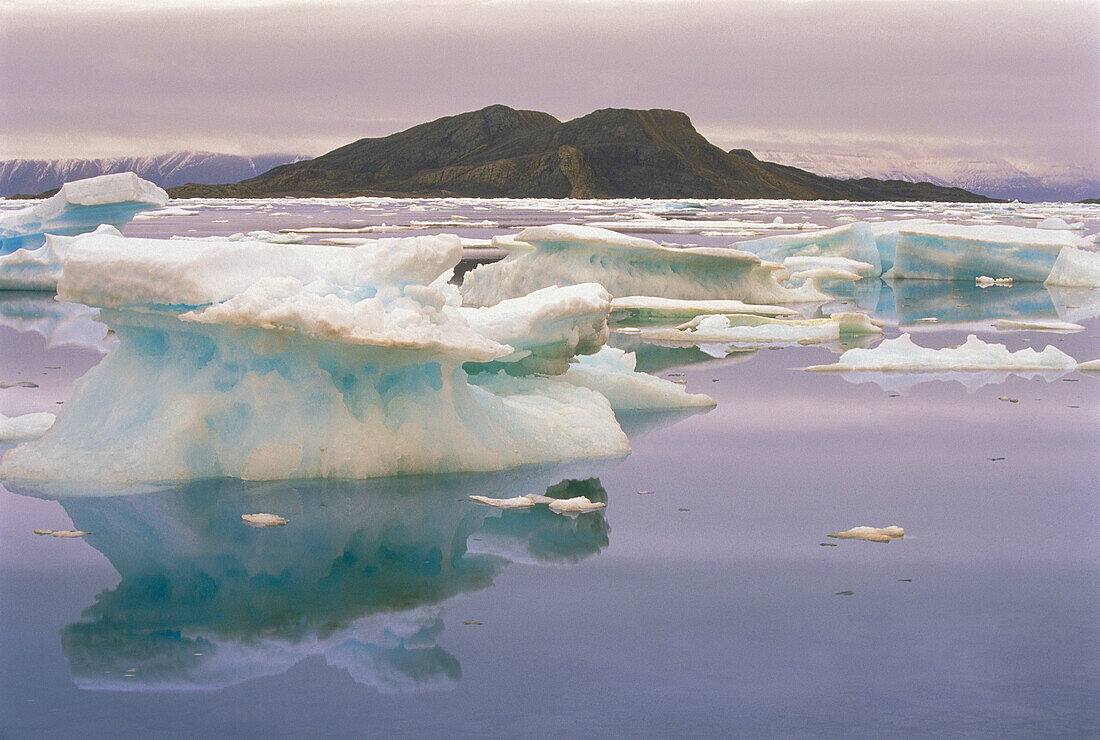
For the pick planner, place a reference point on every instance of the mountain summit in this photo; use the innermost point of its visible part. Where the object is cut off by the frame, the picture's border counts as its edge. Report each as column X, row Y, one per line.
column 611, row 153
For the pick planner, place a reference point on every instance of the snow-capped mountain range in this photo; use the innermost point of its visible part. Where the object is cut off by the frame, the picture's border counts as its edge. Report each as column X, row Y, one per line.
column 995, row 178
column 33, row 176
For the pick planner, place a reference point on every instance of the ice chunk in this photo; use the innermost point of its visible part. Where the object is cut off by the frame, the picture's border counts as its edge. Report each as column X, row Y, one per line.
column 258, row 236
column 654, row 307
column 516, row 502
column 1090, row 365
column 280, row 361
column 1054, row 222
column 1038, row 325
column 542, row 256
column 1075, row 268
column 264, row 520
column 577, row 505
column 612, row 373
column 871, row 534
column 984, row 281
column 547, row 328
column 65, row 533
column 952, row 252
column 903, row 354
column 853, row 242
column 801, row 265
column 750, row 329
column 78, row 207
column 27, row 426
column 59, row 324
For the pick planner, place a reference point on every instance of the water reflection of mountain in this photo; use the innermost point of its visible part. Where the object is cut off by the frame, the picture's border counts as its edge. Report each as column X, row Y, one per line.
column 358, row 576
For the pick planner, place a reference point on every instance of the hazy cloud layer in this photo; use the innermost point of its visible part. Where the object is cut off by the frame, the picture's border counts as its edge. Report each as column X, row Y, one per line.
column 985, row 79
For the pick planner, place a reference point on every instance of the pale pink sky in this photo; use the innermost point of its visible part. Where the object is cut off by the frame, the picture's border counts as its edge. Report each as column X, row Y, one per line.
column 983, row 78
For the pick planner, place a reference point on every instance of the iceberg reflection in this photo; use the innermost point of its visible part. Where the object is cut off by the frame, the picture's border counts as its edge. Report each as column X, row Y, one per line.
column 357, row 577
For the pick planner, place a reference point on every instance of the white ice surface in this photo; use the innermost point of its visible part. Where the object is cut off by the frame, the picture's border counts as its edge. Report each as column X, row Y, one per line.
column 576, row 505
column 264, row 362
column 871, row 534
column 78, row 207
column 264, row 519
column 902, row 354
column 657, row 307
column 626, row 266
column 612, row 373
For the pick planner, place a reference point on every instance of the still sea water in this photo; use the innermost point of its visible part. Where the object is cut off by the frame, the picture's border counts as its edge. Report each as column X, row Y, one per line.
column 705, row 600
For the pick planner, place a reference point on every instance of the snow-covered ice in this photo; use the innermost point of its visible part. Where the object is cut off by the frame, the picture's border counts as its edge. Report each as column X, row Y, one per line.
column 626, row 266
column 871, row 534
column 272, row 361
column 577, row 505
column 78, row 207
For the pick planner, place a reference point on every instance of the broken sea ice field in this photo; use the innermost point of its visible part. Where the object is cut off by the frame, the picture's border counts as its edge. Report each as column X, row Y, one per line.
column 232, row 356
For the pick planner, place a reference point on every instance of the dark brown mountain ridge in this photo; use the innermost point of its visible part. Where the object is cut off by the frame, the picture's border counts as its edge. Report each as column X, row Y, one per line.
column 611, row 153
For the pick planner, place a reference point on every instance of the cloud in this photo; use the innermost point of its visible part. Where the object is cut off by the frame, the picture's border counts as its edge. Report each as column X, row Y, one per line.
column 304, row 77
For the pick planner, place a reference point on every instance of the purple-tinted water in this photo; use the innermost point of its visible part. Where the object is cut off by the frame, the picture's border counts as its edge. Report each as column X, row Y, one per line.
column 709, row 607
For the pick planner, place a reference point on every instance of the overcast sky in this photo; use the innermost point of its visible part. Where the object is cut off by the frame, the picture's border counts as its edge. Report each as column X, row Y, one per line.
column 986, row 79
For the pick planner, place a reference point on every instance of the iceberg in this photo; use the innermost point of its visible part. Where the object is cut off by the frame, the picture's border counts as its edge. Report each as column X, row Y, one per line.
column 951, row 252
column 751, row 329
column 931, row 250
column 262, row 362
column 902, row 354
column 542, row 256
column 78, row 207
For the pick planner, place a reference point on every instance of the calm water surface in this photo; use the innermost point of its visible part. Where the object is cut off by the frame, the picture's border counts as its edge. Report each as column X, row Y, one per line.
column 709, row 607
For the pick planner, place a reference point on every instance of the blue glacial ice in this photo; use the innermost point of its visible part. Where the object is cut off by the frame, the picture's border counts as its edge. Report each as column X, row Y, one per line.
column 28, row 262
column 626, row 266
column 928, row 250
column 262, row 362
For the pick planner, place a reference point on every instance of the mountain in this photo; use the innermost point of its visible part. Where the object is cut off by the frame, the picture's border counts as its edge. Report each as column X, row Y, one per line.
column 997, row 178
column 610, row 153
column 167, row 170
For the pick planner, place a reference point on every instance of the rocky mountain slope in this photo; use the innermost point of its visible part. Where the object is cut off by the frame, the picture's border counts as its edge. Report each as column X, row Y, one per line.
column 499, row 151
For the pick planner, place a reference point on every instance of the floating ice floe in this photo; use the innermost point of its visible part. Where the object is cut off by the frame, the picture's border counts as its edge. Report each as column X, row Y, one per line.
column 1036, row 325
column 25, row 427
column 611, row 372
column 751, row 329
column 902, row 354
column 262, row 361
column 871, row 534
column 642, row 308
column 984, row 281
column 253, row 236
column 577, row 505
column 27, row 262
column 63, row 533
column 264, row 520
column 626, row 266
column 516, row 502
column 1054, row 222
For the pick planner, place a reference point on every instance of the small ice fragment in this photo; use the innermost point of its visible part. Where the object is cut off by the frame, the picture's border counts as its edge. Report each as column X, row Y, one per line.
column 519, row 502
column 995, row 459
column 1037, row 325
column 1007, row 398
column 984, row 281
column 1053, row 223
column 1091, row 365
column 19, row 384
column 576, row 505
column 471, row 621
column 929, row 319
column 901, row 353
column 871, row 534
column 844, row 593
column 827, row 544
column 62, row 532
column 264, row 520
column 644, row 493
